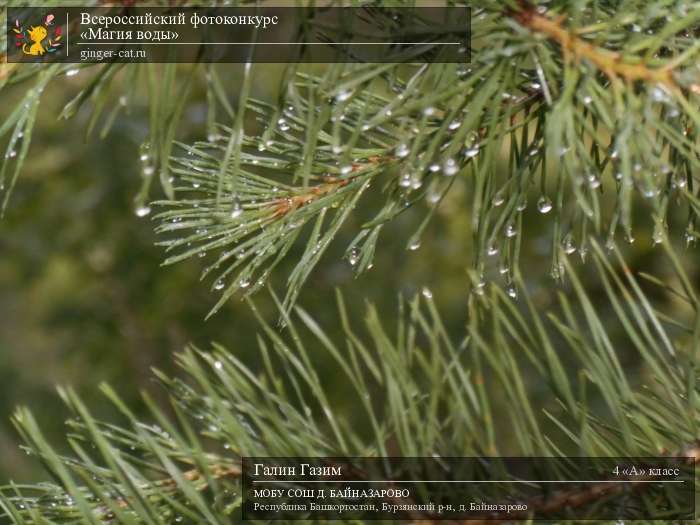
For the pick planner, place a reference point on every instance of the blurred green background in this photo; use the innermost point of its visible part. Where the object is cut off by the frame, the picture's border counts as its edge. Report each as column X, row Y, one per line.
column 83, row 298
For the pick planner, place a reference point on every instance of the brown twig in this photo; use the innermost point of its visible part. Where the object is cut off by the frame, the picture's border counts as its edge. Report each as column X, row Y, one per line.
column 611, row 63
column 287, row 204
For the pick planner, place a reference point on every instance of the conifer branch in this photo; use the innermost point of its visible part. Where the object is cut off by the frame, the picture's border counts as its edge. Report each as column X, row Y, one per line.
column 531, row 119
column 611, row 63
column 612, row 156
column 440, row 408
column 570, row 499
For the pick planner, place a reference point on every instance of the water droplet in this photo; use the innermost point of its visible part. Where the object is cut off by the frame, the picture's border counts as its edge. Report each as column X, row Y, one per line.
column 219, row 285
column 454, row 124
column 434, row 167
column 416, row 182
column 414, row 245
column 432, row 195
column 236, row 209
column 11, row 154
column 427, row 293
column 492, row 250
column 148, row 171
column 658, row 236
column 569, row 245
column 498, row 199
column 405, row 180
column 471, row 152
column 689, row 238
column 650, row 193
column 347, row 168
column 583, row 251
column 429, row 111
column 511, row 230
column 244, row 282
column 353, row 257
column 144, row 156
column 522, row 203
column 450, row 167
column 680, row 182
column 587, row 100
column 142, row 211
column 544, row 205
column 282, row 123
column 72, row 72
column 659, row 94
column 402, row 150
column 343, row 96
column 593, row 181
column 512, row 291
column 557, row 272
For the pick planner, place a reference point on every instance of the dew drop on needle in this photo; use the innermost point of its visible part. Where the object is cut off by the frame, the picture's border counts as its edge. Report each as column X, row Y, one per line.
column 544, row 204
column 142, row 211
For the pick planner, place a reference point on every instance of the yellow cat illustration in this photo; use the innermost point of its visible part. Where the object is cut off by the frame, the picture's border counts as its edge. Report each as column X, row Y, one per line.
column 37, row 35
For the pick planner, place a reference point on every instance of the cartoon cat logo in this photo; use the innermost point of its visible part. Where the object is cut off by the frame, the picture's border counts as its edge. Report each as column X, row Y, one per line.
column 38, row 40
column 36, row 35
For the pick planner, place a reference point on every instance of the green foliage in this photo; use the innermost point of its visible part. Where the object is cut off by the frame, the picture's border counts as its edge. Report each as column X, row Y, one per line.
column 420, row 393
column 612, row 114
column 586, row 110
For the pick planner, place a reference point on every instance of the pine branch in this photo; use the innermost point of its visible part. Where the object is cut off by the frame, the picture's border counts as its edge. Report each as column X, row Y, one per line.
column 613, row 150
column 569, row 499
column 432, row 396
column 607, row 152
column 609, row 62
column 602, row 120
column 261, row 216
